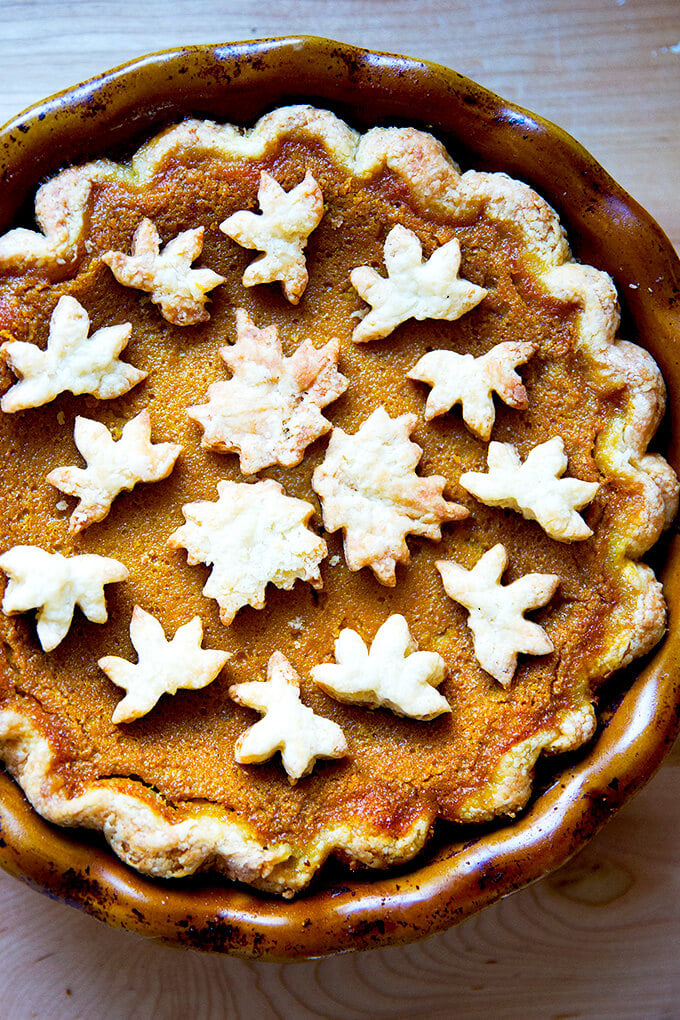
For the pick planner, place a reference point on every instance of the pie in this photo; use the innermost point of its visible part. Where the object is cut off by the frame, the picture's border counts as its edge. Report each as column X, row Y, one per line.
column 362, row 487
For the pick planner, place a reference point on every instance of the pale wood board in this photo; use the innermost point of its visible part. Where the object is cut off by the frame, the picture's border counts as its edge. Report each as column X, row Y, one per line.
column 598, row 939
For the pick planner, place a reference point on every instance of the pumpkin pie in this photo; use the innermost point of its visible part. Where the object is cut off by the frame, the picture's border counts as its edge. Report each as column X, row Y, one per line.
column 364, row 497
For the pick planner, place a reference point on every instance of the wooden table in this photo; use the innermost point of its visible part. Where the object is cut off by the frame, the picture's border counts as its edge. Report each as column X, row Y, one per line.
column 599, row 938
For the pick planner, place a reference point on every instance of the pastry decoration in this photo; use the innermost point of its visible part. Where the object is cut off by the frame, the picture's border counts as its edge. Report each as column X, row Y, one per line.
column 280, row 230
column 270, row 410
column 178, row 290
column 287, row 725
column 72, row 361
column 162, row 666
column 368, row 487
column 393, row 674
column 112, row 466
column 253, row 535
column 413, row 289
column 534, row 488
column 497, row 611
column 54, row 585
column 464, row 379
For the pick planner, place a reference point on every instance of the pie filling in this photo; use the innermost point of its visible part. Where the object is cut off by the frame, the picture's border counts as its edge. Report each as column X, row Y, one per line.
column 398, row 772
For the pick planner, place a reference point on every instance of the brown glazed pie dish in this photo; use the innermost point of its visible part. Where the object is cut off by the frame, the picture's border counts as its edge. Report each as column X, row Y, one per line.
column 461, row 869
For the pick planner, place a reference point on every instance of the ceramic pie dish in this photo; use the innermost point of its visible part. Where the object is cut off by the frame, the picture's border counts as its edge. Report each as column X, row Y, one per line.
column 242, row 921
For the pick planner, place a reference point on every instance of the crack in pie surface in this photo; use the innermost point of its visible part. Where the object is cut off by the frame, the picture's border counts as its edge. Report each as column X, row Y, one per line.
column 166, row 789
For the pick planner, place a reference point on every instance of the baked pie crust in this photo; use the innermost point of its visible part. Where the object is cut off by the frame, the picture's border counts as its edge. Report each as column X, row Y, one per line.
column 166, row 790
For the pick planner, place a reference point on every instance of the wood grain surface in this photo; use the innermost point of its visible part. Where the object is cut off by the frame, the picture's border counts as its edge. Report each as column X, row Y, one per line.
column 601, row 937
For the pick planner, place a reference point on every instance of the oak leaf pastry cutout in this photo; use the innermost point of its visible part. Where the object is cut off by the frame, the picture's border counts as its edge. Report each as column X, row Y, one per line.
column 178, row 290
column 72, row 361
column 464, row 379
column 252, row 535
column 280, row 230
column 497, row 611
column 534, row 488
column 413, row 289
column 270, row 410
column 393, row 674
column 368, row 487
column 54, row 585
column 163, row 666
column 112, row 466
column 287, row 725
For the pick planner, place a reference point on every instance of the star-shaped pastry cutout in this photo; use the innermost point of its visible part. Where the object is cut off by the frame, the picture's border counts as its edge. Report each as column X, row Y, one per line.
column 252, row 536
column 394, row 674
column 368, row 487
column 54, row 585
column 178, row 290
column 163, row 666
column 464, row 379
column 72, row 361
column 270, row 410
column 280, row 231
column 534, row 488
column 112, row 466
column 497, row 612
column 288, row 726
column 413, row 289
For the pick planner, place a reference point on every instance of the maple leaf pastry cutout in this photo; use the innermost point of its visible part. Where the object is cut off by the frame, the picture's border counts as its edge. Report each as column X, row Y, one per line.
column 72, row 361
column 280, row 230
column 253, row 535
column 112, row 466
column 413, row 289
column 54, row 585
column 270, row 410
column 368, row 487
column 534, row 488
column 464, row 379
column 497, row 611
column 287, row 725
column 393, row 674
column 178, row 290
column 163, row 666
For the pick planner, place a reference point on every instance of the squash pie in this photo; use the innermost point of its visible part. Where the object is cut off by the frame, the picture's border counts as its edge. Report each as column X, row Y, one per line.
column 325, row 488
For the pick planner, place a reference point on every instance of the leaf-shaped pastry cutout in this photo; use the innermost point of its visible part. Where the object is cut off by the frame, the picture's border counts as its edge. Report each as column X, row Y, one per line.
column 270, row 410
column 393, row 674
column 497, row 611
column 413, row 289
column 178, row 290
column 163, row 666
column 369, row 487
column 288, row 726
column 464, row 379
column 54, row 585
column 534, row 488
column 280, row 230
column 112, row 466
column 72, row 361
column 252, row 535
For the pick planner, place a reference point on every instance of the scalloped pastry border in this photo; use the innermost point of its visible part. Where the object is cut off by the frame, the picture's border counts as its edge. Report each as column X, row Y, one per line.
column 208, row 837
